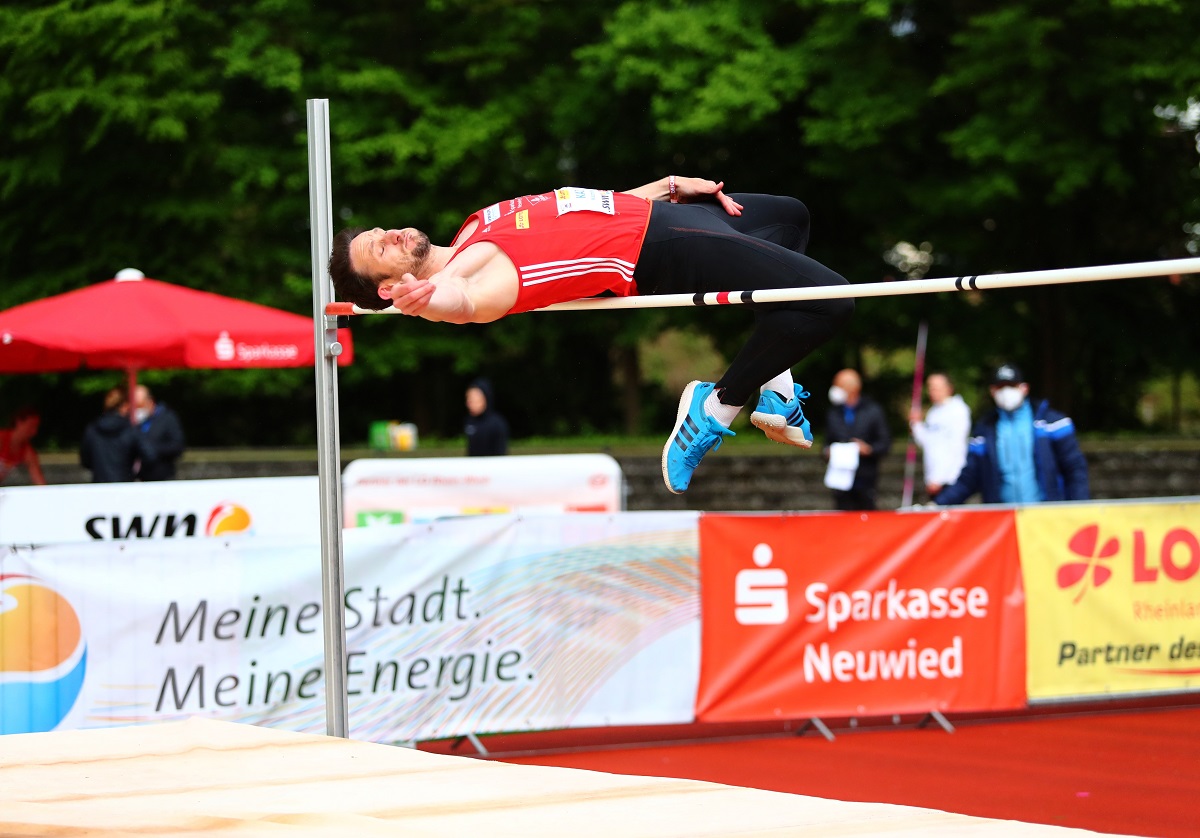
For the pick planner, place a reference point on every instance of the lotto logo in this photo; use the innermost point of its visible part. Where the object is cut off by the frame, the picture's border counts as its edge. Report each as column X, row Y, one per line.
column 1093, row 562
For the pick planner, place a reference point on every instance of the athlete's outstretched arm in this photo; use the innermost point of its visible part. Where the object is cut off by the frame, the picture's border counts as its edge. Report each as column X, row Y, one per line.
column 688, row 190
column 440, row 302
column 447, row 297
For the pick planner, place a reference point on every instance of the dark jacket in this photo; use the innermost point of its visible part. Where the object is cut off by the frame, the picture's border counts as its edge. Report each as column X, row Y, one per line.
column 109, row 448
column 1061, row 468
column 870, row 425
column 163, row 436
column 487, row 433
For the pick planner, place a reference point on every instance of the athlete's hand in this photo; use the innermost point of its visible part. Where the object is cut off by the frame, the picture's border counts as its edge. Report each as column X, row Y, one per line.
column 731, row 206
column 411, row 295
column 691, row 189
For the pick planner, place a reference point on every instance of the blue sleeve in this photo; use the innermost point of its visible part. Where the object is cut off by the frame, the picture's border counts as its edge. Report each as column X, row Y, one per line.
column 1073, row 467
column 967, row 483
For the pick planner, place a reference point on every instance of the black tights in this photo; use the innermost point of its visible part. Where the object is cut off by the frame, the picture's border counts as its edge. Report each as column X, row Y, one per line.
column 699, row 248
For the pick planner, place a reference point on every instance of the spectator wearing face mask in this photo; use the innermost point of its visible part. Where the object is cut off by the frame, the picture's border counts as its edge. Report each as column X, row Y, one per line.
column 857, row 421
column 1019, row 452
column 111, row 446
column 162, row 436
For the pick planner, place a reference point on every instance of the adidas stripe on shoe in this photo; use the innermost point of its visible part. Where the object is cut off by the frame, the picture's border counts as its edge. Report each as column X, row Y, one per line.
column 695, row 434
column 783, row 421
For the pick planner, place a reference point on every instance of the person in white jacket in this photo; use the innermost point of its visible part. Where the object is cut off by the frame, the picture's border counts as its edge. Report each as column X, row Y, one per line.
column 942, row 434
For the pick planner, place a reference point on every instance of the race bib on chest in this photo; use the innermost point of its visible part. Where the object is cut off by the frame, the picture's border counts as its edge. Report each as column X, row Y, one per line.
column 576, row 199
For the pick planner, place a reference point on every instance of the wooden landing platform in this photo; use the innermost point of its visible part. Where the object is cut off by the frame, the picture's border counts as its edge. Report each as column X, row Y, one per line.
column 216, row 778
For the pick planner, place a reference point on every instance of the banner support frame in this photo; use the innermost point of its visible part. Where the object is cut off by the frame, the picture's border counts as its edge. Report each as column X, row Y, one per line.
column 820, row 726
column 936, row 716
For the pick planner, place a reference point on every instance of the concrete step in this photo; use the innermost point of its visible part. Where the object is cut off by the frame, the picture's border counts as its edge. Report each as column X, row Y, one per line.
column 735, row 482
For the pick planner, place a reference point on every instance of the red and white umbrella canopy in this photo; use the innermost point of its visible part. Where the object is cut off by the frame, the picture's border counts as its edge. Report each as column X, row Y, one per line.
column 136, row 323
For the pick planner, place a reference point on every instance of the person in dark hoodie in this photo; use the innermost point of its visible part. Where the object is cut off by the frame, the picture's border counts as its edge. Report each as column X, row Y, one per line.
column 162, row 434
column 111, row 445
column 487, row 430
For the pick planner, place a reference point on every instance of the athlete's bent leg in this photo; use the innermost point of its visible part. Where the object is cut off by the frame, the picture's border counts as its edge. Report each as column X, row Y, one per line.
column 774, row 218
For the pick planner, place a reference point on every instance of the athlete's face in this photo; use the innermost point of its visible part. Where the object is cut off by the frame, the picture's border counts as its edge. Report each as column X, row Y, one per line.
column 389, row 254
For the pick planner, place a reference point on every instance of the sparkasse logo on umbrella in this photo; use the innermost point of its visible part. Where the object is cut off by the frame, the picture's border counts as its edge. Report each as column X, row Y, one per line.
column 227, row 349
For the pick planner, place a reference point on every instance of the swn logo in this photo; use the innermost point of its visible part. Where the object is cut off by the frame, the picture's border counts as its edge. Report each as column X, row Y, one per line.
column 43, row 656
column 1178, row 559
column 760, row 594
column 226, row 518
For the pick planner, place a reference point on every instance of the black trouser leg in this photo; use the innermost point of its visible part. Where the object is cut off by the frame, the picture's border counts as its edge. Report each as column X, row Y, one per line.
column 697, row 248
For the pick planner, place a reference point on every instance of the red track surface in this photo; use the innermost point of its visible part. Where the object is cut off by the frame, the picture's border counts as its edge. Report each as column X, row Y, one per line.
column 1126, row 772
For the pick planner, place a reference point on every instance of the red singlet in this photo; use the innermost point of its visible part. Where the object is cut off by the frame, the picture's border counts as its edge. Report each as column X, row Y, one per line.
column 566, row 244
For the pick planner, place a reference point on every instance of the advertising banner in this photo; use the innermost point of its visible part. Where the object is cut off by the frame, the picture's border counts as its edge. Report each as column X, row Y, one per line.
column 1114, row 598
column 406, row 491
column 288, row 507
column 848, row 615
column 480, row 624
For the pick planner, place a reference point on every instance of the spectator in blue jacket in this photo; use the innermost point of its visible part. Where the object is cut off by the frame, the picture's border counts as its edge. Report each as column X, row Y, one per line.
column 1019, row 453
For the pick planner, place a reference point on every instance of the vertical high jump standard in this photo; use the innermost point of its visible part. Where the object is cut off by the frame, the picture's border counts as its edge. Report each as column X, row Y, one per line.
column 326, row 313
column 329, row 467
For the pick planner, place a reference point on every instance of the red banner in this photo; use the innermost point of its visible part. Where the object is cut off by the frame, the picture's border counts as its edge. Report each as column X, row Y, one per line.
column 858, row 615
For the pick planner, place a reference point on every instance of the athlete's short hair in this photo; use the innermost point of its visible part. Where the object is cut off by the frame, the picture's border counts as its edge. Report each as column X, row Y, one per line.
column 350, row 285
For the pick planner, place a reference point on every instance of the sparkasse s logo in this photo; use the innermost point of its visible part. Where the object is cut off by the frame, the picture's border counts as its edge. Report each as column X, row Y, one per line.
column 760, row 594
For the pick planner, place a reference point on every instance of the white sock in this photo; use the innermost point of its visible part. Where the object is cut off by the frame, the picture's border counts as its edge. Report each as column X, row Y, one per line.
column 781, row 384
column 723, row 413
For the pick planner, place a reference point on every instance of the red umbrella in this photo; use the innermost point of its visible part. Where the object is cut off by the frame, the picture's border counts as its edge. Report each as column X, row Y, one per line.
column 134, row 323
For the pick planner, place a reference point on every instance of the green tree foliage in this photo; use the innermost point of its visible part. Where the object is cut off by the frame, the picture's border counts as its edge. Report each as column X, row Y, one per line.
column 1014, row 135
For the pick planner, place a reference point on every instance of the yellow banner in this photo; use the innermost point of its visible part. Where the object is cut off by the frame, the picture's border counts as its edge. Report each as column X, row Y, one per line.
column 1113, row 598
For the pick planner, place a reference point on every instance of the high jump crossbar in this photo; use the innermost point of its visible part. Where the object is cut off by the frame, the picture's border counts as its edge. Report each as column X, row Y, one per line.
column 983, row 282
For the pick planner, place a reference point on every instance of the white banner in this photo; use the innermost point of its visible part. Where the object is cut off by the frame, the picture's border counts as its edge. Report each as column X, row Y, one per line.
column 270, row 506
column 414, row 490
column 474, row 625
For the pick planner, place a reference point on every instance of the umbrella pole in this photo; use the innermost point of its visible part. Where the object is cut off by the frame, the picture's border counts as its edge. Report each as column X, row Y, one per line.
column 329, row 474
column 130, row 387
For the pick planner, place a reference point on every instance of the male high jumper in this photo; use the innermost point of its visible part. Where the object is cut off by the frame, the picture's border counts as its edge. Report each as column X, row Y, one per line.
column 673, row 236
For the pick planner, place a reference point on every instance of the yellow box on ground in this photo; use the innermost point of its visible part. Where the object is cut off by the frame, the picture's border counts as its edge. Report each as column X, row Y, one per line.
column 1112, row 598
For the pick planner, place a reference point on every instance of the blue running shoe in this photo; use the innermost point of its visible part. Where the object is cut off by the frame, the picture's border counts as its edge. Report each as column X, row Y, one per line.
column 696, row 433
column 783, row 421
